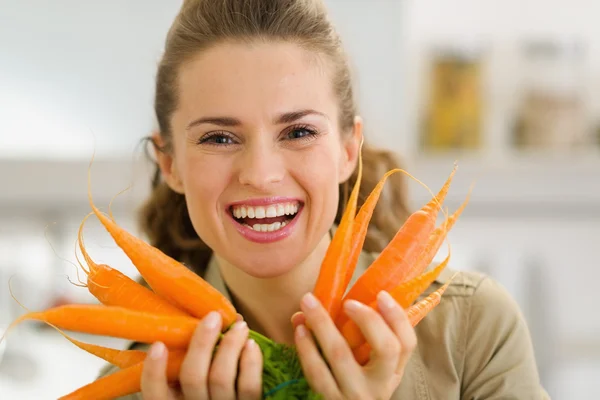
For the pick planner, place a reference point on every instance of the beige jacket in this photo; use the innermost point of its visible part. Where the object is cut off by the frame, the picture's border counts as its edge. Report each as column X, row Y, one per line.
column 474, row 345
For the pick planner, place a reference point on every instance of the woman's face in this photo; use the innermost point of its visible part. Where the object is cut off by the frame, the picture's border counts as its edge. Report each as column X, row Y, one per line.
column 258, row 153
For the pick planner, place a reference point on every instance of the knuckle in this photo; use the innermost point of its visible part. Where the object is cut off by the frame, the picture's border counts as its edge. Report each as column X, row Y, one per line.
column 219, row 380
column 191, row 381
column 410, row 343
column 338, row 353
column 248, row 391
column 358, row 395
column 389, row 346
column 312, row 371
column 192, row 378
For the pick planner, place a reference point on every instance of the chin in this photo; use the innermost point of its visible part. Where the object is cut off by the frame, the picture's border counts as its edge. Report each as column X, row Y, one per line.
column 268, row 265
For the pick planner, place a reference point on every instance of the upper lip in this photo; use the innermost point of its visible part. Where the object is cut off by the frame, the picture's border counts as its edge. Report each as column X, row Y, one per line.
column 264, row 201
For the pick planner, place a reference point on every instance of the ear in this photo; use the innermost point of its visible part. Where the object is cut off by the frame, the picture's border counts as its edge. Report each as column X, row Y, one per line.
column 167, row 165
column 351, row 150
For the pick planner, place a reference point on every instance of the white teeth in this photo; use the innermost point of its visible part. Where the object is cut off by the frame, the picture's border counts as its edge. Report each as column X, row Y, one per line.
column 275, row 226
column 259, row 212
column 272, row 211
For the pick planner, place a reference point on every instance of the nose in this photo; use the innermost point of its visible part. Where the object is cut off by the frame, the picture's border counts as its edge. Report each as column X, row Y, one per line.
column 261, row 167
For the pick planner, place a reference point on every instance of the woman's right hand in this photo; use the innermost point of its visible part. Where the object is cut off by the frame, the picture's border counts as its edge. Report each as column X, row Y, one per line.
column 202, row 377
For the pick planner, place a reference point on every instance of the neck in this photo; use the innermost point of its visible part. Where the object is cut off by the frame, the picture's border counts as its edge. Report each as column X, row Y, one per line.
column 281, row 296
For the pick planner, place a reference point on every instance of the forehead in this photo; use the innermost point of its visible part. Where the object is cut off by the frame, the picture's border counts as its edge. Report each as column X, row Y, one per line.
column 256, row 78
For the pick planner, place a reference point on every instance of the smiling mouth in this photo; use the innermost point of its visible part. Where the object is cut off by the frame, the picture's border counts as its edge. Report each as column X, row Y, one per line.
column 269, row 218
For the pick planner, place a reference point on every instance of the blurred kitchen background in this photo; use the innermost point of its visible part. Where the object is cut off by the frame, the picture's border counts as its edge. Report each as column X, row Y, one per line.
column 510, row 89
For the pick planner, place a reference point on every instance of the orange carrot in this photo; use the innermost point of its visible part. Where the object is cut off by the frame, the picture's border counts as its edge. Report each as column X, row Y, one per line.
column 361, row 225
column 330, row 286
column 113, row 288
column 124, row 382
column 415, row 314
column 435, row 241
column 119, row 358
column 418, row 311
column 166, row 276
column 119, row 322
column 362, row 354
column 405, row 294
column 393, row 262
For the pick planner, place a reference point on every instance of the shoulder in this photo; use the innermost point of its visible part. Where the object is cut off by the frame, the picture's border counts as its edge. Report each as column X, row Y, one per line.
column 479, row 337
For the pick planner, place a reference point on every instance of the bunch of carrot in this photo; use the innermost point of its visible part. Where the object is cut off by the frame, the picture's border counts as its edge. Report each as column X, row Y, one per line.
column 178, row 298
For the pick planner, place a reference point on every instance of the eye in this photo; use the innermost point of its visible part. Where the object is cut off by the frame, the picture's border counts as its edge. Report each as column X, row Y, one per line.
column 217, row 139
column 301, row 132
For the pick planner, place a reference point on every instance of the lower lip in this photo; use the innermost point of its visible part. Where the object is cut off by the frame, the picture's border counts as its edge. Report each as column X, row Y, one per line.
column 266, row 237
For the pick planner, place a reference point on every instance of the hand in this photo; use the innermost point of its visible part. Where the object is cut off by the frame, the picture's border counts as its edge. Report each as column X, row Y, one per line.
column 391, row 337
column 203, row 377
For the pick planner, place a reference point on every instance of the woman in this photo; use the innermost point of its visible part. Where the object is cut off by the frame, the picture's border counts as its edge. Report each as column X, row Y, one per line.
column 258, row 145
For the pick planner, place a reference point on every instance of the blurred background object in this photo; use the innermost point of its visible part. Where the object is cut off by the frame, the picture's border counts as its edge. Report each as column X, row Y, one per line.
column 553, row 112
column 510, row 89
column 454, row 112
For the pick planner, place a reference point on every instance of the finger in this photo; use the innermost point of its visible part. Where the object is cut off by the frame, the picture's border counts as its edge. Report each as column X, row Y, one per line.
column 315, row 369
column 398, row 321
column 332, row 343
column 154, row 385
column 223, row 371
column 385, row 345
column 298, row 319
column 196, row 364
column 250, row 375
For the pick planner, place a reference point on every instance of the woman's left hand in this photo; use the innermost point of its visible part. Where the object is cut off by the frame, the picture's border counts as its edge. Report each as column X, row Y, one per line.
column 391, row 337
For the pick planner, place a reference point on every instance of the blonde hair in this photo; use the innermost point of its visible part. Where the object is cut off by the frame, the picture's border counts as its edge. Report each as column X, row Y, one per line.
column 201, row 24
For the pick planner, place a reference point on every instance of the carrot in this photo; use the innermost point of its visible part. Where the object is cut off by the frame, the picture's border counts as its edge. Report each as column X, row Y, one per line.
column 418, row 311
column 124, row 382
column 166, row 276
column 405, row 294
column 119, row 358
column 331, row 282
column 362, row 354
column 392, row 264
column 435, row 241
column 361, row 224
column 113, row 288
column 415, row 314
column 119, row 322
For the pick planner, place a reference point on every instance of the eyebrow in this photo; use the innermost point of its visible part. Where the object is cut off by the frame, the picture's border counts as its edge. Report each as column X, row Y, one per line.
column 284, row 118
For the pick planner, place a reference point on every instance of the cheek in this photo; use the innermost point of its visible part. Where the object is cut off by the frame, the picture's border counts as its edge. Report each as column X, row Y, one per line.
column 204, row 179
column 318, row 173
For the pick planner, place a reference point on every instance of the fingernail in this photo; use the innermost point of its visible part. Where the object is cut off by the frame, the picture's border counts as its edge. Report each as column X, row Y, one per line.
column 250, row 343
column 300, row 331
column 212, row 320
column 386, row 300
column 239, row 325
column 157, row 350
column 353, row 305
column 310, row 301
